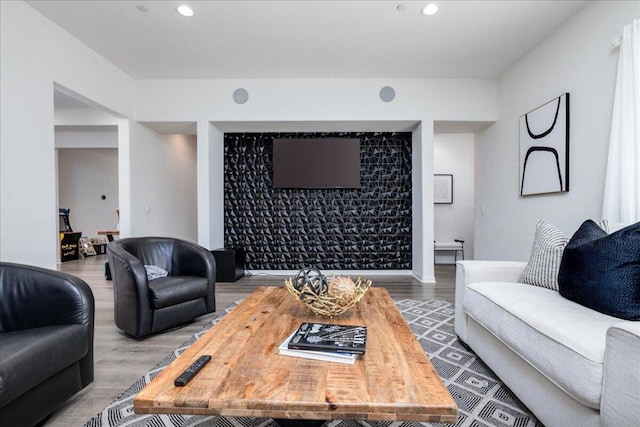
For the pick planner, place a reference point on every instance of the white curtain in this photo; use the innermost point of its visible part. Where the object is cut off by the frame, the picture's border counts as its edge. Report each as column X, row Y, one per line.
column 622, row 186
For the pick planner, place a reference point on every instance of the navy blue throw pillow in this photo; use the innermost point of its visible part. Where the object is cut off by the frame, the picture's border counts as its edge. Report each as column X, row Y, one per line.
column 602, row 271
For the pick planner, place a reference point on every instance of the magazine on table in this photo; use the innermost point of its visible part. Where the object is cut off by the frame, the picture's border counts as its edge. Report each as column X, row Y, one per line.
column 330, row 338
column 326, row 356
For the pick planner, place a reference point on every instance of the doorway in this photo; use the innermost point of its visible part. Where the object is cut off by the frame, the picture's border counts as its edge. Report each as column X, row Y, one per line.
column 87, row 170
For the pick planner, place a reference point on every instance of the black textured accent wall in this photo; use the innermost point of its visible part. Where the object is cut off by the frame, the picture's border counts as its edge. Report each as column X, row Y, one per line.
column 333, row 229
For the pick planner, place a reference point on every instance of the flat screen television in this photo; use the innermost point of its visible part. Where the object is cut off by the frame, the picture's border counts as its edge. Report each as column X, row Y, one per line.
column 316, row 163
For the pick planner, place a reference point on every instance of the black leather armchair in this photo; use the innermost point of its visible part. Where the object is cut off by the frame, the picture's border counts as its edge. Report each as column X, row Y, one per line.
column 142, row 306
column 46, row 341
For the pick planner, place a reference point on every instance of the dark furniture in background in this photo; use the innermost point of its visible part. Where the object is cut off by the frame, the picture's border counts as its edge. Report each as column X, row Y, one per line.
column 229, row 264
column 109, row 234
column 69, row 246
column 46, row 341
column 142, row 306
column 63, row 216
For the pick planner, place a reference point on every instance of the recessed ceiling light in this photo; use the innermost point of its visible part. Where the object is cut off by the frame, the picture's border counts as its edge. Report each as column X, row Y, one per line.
column 430, row 9
column 184, row 10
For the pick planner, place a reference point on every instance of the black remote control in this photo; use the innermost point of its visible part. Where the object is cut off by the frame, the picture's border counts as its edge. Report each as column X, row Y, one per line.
column 191, row 371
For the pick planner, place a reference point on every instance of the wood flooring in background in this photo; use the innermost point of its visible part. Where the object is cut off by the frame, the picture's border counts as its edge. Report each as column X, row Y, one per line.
column 120, row 360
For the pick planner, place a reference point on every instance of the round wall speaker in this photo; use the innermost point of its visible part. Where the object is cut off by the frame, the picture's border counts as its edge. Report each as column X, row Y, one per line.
column 387, row 94
column 240, row 96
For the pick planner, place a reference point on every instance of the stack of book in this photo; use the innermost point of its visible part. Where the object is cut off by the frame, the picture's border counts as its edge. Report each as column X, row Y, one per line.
column 327, row 342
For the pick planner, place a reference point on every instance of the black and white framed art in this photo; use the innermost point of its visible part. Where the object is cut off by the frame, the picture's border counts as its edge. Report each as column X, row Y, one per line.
column 544, row 148
column 442, row 189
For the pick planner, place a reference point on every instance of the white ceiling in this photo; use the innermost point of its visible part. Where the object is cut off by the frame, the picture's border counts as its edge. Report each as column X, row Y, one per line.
column 310, row 39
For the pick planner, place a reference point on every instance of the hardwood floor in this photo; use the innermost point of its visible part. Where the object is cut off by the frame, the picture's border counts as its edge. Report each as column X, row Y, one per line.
column 120, row 360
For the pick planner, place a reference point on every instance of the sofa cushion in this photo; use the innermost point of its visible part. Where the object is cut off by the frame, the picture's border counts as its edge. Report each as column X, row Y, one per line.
column 172, row 290
column 562, row 340
column 602, row 271
column 30, row 356
column 546, row 254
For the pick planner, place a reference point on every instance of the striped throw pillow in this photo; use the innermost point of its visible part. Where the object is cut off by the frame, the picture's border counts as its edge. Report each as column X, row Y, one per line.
column 546, row 255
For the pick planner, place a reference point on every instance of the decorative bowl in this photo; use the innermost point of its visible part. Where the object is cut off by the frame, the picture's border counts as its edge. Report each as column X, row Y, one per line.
column 329, row 304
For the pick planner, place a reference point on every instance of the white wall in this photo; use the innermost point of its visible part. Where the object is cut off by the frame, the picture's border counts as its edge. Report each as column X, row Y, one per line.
column 210, row 185
column 454, row 154
column 77, row 119
column 578, row 58
column 103, row 138
column 84, row 175
column 421, row 195
column 163, row 184
column 28, row 134
column 329, row 100
column 317, row 104
column 34, row 55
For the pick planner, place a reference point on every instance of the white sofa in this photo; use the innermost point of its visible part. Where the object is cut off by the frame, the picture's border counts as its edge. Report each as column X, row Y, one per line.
column 570, row 365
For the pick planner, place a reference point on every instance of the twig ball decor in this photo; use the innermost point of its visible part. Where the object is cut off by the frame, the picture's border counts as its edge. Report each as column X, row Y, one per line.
column 343, row 287
column 340, row 294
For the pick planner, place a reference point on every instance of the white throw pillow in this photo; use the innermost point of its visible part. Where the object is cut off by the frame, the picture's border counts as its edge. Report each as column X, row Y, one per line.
column 546, row 255
column 154, row 272
column 604, row 224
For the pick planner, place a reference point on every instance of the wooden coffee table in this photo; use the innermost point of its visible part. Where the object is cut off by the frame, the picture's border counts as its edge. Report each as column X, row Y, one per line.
column 394, row 381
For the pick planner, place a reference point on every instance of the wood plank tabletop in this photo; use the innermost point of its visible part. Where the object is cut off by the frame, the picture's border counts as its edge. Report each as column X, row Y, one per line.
column 393, row 381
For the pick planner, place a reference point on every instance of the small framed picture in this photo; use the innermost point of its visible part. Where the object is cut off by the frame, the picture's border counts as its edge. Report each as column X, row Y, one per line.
column 442, row 189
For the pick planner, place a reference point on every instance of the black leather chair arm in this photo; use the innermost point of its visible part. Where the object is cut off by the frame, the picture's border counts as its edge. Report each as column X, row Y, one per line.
column 132, row 293
column 132, row 266
column 34, row 297
column 190, row 259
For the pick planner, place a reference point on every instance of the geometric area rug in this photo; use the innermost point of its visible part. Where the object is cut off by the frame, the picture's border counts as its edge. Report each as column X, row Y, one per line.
column 483, row 401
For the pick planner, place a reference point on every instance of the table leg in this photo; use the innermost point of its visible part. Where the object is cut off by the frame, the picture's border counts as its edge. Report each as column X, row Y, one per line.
column 107, row 271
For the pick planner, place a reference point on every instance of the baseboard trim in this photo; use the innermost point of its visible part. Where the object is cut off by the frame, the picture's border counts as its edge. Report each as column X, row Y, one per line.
column 363, row 273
